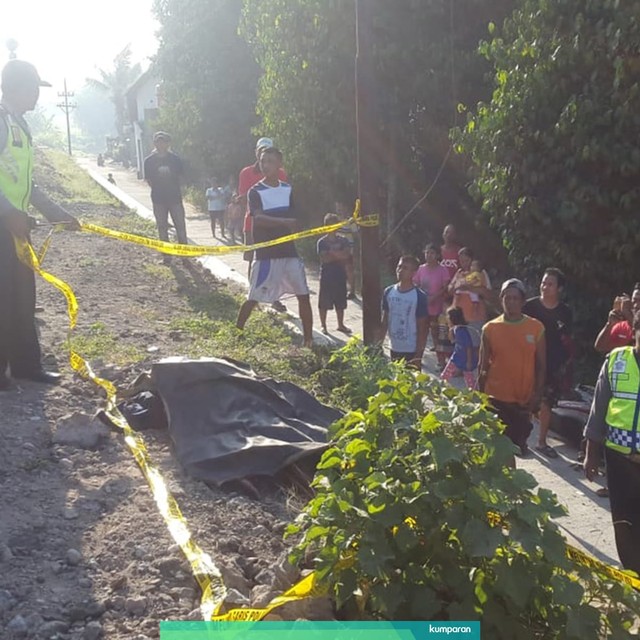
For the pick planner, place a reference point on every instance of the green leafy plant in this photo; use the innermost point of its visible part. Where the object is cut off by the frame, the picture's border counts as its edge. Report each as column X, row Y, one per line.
column 352, row 374
column 418, row 514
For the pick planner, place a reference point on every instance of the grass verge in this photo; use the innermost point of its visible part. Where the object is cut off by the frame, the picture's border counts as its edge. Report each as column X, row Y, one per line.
column 98, row 342
column 66, row 182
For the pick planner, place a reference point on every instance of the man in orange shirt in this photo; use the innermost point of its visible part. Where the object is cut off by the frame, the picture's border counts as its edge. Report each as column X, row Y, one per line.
column 513, row 364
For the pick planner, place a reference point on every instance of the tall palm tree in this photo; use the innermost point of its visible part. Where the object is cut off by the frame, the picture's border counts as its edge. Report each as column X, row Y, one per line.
column 115, row 83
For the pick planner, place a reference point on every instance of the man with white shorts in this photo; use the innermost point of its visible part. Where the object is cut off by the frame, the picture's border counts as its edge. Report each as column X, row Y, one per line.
column 277, row 270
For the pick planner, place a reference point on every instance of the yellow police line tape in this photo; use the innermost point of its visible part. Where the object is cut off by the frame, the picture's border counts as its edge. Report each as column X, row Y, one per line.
column 585, row 560
column 582, row 558
column 194, row 251
column 204, row 570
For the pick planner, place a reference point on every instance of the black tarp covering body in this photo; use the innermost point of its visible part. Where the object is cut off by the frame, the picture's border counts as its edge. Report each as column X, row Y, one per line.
column 227, row 424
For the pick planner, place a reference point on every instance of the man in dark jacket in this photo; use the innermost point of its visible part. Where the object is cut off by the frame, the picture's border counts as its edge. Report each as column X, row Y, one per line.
column 163, row 170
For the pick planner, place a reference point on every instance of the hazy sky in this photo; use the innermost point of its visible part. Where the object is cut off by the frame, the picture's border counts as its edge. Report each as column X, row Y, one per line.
column 70, row 38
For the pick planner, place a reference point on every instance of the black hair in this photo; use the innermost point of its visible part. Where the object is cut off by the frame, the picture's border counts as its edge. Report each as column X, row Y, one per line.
column 432, row 247
column 557, row 274
column 467, row 252
column 411, row 259
column 456, row 315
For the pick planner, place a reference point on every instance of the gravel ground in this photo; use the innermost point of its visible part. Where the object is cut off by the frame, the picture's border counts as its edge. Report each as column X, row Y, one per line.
column 84, row 552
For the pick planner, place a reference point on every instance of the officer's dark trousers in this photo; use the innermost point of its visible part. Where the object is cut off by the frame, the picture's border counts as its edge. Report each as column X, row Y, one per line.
column 623, row 480
column 19, row 346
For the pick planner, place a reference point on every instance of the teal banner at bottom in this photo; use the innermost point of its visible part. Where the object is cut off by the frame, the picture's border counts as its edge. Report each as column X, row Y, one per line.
column 306, row 630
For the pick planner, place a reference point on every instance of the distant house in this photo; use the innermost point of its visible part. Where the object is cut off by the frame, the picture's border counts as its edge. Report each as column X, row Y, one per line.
column 142, row 104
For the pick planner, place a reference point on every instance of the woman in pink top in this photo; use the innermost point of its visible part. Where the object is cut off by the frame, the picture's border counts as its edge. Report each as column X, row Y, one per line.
column 433, row 279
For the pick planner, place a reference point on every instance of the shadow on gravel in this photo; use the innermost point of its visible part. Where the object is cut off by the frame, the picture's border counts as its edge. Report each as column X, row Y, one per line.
column 205, row 293
column 51, row 496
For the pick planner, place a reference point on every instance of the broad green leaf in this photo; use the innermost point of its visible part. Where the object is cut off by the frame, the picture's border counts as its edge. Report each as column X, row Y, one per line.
column 479, row 539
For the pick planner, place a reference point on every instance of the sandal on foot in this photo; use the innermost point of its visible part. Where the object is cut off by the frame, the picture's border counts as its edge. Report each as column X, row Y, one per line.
column 546, row 450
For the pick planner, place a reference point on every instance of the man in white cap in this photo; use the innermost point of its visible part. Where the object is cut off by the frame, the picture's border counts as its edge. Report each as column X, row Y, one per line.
column 19, row 347
column 513, row 364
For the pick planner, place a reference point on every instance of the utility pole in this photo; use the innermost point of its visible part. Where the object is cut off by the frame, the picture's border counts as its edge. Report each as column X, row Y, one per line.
column 12, row 45
column 368, row 165
column 67, row 107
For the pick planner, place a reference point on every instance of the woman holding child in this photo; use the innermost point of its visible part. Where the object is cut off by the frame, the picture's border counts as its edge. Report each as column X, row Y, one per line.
column 470, row 288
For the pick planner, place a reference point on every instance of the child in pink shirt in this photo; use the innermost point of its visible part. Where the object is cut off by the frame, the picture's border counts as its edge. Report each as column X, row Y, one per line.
column 433, row 279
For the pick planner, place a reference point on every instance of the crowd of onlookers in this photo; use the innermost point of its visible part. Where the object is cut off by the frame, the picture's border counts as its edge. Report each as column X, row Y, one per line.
column 521, row 358
column 516, row 349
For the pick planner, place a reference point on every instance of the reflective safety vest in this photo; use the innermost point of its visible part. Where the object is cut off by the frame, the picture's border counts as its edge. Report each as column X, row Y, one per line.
column 16, row 163
column 624, row 407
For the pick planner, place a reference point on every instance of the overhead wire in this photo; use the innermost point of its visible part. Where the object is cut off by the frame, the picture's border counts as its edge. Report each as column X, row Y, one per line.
column 455, row 121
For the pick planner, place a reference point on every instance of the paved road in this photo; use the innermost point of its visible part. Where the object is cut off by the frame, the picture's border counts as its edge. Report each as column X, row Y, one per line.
column 588, row 524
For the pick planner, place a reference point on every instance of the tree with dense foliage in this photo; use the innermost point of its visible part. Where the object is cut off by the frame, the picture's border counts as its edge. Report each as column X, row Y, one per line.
column 209, row 84
column 556, row 153
column 426, row 63
column 115, row 82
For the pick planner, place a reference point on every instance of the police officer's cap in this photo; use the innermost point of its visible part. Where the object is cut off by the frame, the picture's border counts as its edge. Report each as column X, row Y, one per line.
column 18, row 73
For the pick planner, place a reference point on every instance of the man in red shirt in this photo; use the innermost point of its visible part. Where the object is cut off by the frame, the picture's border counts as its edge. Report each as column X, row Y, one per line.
column 449, row 250
column 617, row 331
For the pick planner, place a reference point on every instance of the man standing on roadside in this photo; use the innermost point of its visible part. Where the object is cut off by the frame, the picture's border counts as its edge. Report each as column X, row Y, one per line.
column 557, row 319
column 614, row 422
column 217, row 201
column 512, row 364
column 249, row 176
column 405, row 314
column 278, row 269
column 19, row 347
column 163, row 170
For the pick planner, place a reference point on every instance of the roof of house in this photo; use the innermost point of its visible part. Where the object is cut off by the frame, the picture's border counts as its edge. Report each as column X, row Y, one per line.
column 140, row 80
